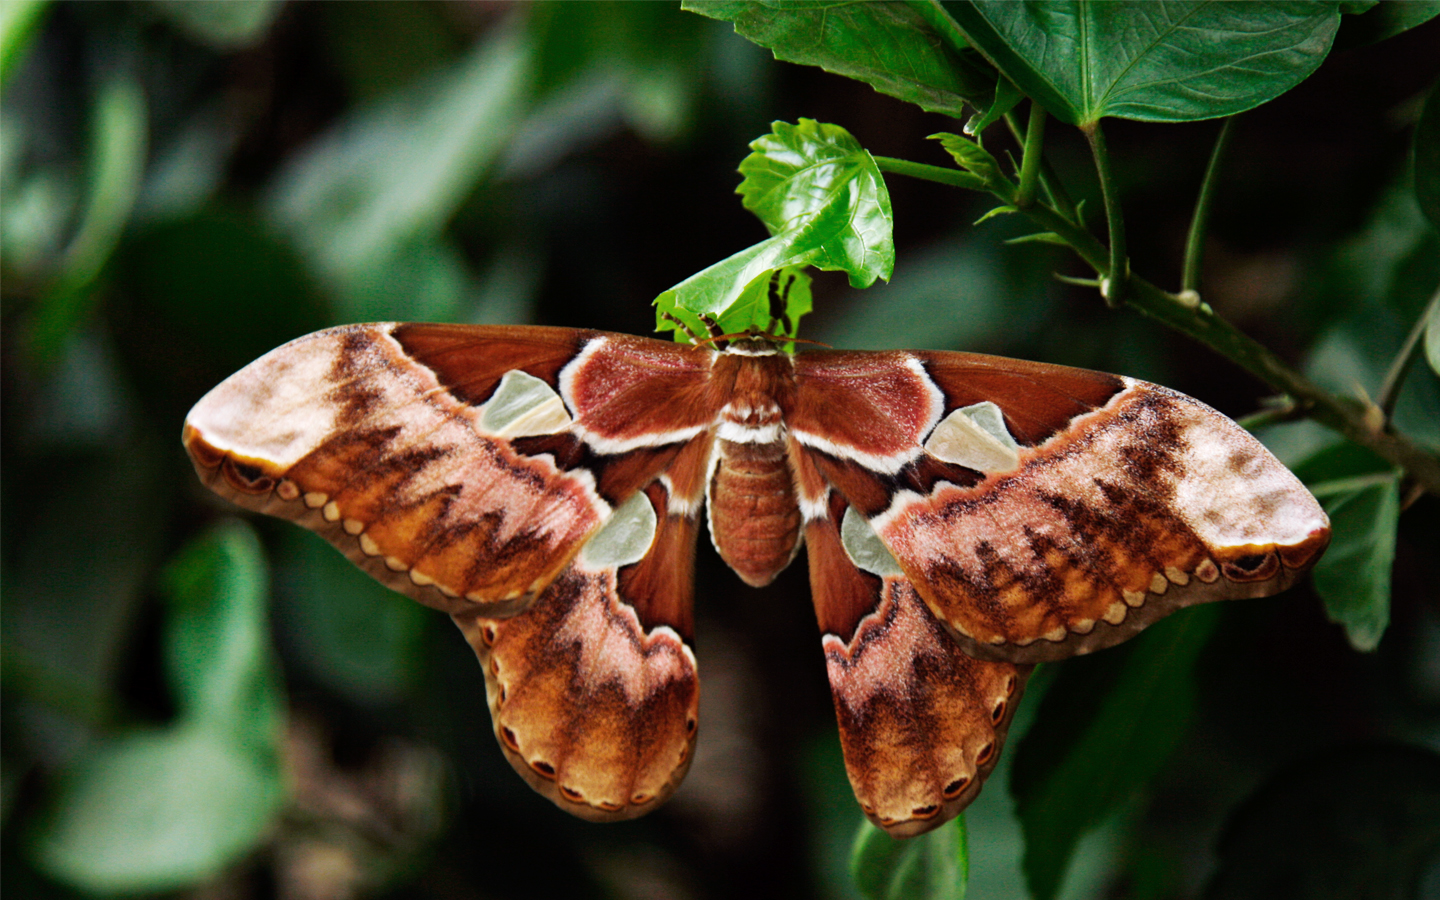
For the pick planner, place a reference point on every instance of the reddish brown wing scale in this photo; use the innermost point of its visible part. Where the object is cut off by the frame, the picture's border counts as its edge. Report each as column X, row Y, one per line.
column 966, row 516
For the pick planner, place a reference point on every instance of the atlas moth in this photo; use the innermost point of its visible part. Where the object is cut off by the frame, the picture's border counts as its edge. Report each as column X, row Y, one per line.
column 964, row 517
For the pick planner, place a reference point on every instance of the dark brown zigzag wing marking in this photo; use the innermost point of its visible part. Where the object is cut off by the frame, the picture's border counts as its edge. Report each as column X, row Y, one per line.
column 921, row 723
column 1142, row 506
column 593, row 691
column 345, row 433
column 374, row 436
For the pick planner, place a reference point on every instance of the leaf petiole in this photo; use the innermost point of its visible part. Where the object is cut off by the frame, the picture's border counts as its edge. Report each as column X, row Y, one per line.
column 1199, row 222
column 1115, row 277
column 1030, row 161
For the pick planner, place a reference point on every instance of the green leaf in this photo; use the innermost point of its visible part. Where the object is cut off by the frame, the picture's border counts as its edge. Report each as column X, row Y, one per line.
column 156, row 810
column 1004, row 210
column 161, row 809
column 824, row 201
column 799, row 177
column 1383, row 20
column 1306, row 833
column 18, row 19
column 888, row 46
column 1362, row 498
column 1104, row 728
column 1427, row 159
column 1353, row 577
column 971, row 156
column 393, row 174
column 351, row 632
column 1006, row 96
column 772, row 303
column 217, row 641
column 119, row 135
column 1361, row 494
column 933, row 866
column 1156, row 62
column 224, row 26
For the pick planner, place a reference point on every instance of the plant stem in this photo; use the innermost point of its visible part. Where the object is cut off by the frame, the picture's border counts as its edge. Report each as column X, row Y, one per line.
column 1054, row 189
column 1199, row 223
column 1117, row 270
column 1030, row 160
column 1395, row 378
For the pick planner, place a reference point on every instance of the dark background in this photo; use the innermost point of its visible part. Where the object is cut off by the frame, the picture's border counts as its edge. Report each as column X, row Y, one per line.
column 612, row 181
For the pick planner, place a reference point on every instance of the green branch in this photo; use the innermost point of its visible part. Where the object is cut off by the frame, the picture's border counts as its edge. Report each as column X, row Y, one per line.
column 1050, row 181
column 1395, row 378
column 1030, row 160
column 1349, row 417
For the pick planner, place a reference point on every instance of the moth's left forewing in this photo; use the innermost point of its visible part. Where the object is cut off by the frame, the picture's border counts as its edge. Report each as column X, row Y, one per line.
column 464, row 466
column 353, row 434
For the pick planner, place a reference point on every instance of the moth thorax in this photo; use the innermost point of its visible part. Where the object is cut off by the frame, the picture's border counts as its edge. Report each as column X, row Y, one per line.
column 754, row 516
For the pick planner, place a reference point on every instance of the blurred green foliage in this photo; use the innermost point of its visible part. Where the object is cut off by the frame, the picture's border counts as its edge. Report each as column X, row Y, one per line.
column 198, row 707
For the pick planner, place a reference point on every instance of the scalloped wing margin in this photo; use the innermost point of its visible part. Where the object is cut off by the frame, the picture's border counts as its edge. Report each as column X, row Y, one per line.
column 922, row 723
column 376, row 437
column 1145, row 505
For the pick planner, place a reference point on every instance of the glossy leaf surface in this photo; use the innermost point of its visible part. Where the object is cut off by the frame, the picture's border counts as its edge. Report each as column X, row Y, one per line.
column 825, row 203
column 888, row 46
column 1156, row 62
column 1362, row 497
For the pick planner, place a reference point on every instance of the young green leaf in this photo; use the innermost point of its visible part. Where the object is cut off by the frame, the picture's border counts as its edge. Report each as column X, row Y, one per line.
column 976, row 159
column 933, row 866
column 1103, row 729
column 799, row 177
column 886, row 45
column 1156, row 62
column 1006, row 96
column 824, row 201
